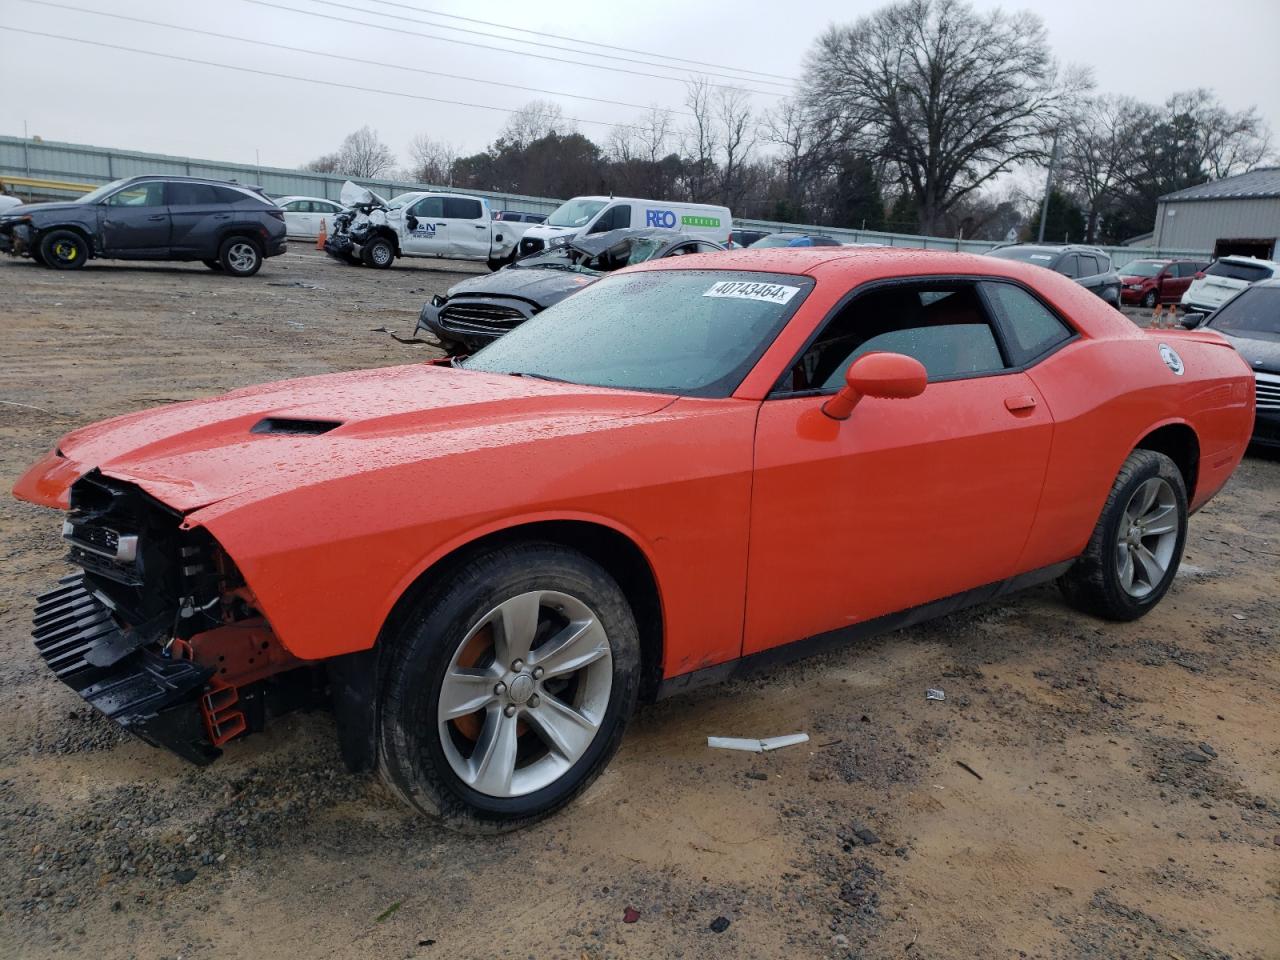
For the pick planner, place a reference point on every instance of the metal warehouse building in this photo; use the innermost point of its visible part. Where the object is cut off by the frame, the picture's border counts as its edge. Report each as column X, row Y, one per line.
column 1234, row 215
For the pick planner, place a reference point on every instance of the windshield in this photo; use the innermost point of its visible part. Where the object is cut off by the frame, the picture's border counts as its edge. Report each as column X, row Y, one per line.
column 106, row 189
column 575, row 213
column 1029, row 254
column 1143, row 268
column 1256, row 310
column 776, row 240
column 688, row 332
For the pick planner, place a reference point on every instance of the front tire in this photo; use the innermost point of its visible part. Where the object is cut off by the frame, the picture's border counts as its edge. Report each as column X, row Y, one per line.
column 64, row 250
column 378, row 253
column 1136, row 547
column 506, row 691
column 240, row 257
column 1149, row 300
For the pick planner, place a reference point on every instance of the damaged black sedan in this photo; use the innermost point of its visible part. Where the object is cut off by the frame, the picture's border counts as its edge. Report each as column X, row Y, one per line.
column 480, row 310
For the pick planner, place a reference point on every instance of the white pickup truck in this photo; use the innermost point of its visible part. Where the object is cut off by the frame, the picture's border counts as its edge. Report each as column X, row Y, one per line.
column 450, row 226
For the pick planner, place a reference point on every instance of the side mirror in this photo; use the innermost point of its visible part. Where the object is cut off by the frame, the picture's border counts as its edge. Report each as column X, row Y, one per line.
column 890, row 376
column 411, row 222
column 1190, row 321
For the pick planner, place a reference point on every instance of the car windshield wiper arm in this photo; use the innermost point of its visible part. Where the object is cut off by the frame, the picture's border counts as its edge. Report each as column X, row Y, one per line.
column 536, row 376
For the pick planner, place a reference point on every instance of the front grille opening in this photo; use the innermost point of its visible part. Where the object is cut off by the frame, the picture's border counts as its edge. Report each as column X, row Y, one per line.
column 294, row 427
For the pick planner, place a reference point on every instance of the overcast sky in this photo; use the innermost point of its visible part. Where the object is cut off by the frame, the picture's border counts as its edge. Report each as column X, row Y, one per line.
column 73, row 92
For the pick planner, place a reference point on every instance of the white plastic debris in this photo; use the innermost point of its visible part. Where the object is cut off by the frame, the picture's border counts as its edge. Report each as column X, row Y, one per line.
column 933, row 693
column 757, row 746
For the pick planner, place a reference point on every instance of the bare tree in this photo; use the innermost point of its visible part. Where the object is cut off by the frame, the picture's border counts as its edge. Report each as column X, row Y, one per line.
column 950, row 96
column 699, row 140
column 535, row 120
column 737, row 137
column 361, row 154
column 432, row 160
column 1225, row 143
column 1098, row 146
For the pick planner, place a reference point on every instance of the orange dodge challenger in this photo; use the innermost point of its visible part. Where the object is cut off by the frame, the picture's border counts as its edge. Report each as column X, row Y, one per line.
column 689, row 468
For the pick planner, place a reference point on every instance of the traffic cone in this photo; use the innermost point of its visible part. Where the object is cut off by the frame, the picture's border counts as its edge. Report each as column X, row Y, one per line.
column 1157, row 318
column 321, row 237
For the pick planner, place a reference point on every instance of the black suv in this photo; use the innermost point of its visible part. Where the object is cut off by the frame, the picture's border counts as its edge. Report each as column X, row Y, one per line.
column 1088, row 266
column 227, row 226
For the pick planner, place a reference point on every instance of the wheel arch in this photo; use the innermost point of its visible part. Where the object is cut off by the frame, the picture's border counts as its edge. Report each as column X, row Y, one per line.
column 617, row 550
column 384, row 230
column 1178, row 441
column 79, row 228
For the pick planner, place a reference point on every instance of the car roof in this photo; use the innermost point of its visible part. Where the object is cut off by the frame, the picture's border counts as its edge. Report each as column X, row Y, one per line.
column 300, row 196
column 1248, row 261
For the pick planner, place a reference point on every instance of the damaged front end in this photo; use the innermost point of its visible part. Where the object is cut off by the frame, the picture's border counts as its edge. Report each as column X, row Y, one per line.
column 157, row 629
column 17, row 235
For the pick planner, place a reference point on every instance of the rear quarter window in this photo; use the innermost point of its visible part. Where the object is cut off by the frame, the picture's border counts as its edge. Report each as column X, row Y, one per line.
column 462, row 208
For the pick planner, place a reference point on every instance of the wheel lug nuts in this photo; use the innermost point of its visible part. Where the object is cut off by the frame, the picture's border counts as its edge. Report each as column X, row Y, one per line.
column 509, row 711
column 499, row 688
column 517, row 666
column 534, row 700
column 537, row 673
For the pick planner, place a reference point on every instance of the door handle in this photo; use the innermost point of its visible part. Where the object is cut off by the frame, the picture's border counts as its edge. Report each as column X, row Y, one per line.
column 158, row 216
column 441, row 223
column 222, row 216
column 1018, row 404
column 481, row 226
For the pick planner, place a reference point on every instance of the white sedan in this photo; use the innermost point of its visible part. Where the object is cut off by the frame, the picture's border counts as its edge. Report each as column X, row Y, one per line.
column 303, row 215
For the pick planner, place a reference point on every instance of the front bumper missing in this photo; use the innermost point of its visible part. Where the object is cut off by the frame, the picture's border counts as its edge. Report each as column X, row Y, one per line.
column 153, row 696
column 16, row 240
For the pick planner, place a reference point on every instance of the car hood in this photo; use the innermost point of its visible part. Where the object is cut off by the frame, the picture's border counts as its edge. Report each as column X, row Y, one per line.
column 543, row 287
column 34, row 208
column 239, row 445
column 1260, row 352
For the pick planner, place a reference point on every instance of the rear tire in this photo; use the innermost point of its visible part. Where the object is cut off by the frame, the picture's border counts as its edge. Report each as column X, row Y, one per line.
column 378, row 253
column 1134, row 552
column 497, row 263
column 1149, row 300
column 64, row 250
column 240, row 256
column 526, row 735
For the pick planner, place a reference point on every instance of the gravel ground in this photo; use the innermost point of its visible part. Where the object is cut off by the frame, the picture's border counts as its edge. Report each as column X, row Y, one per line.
column 1086, row 789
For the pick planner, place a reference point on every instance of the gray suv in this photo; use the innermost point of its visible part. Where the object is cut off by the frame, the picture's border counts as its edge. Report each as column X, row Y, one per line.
column 1088, row 266
column 226, row 226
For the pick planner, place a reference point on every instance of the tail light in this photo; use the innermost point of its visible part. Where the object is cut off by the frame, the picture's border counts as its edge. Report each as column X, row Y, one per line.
column 1199, row 275
column 277, row 213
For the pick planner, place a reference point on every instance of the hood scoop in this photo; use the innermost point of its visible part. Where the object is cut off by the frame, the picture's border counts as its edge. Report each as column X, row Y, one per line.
column 294, row 427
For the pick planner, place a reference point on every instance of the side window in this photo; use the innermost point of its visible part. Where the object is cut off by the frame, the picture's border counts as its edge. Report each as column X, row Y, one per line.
column 618, row 218
column 428, row 208
column 944, row 326
column 293, row 206
column 706, row 248
column 189, row 195
column 149, row 194
column 1031, row 327
column 227, row 195
column 1068, row 267
column 462, row 208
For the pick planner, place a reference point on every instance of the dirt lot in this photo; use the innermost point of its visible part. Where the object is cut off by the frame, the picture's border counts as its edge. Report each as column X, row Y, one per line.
column 1086, row 789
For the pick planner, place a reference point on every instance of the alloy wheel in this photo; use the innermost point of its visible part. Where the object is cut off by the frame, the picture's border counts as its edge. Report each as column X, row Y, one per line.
column 1148, row 537
column 242, row 257
column 525, row 693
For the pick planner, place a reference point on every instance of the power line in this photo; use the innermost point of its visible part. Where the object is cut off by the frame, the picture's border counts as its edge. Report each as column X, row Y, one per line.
column 338, row 56
column 400, row 31
column 288, row 76
column 532, row 43
column 597, row 43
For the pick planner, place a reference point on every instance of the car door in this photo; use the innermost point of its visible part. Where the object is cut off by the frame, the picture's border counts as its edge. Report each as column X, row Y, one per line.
column 908, row 501
column 324, row 214
column 470, row 228
column 1177, row 278
column 425, row 230
column 134, row 221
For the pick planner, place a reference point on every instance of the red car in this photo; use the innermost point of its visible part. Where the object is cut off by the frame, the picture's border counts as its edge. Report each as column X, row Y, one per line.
column 1149, row 282
column 691, row 468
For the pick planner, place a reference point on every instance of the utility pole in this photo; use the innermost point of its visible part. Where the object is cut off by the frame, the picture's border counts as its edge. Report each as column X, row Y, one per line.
column 1048, row 186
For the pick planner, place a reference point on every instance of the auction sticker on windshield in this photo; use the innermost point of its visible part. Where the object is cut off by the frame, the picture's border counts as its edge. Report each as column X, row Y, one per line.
column 752, row 290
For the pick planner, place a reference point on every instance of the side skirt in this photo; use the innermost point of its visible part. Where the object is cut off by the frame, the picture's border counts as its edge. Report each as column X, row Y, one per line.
column 786, row 653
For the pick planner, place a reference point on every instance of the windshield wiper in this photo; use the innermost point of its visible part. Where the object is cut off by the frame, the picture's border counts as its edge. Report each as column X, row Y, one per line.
column 536, row 376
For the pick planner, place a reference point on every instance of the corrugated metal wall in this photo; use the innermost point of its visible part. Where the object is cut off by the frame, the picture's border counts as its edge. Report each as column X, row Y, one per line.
column 1201, row 223
column 96, row 165
column 47, row 160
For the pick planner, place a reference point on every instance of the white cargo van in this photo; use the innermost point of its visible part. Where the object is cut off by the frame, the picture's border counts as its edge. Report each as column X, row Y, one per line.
column 583, row 215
